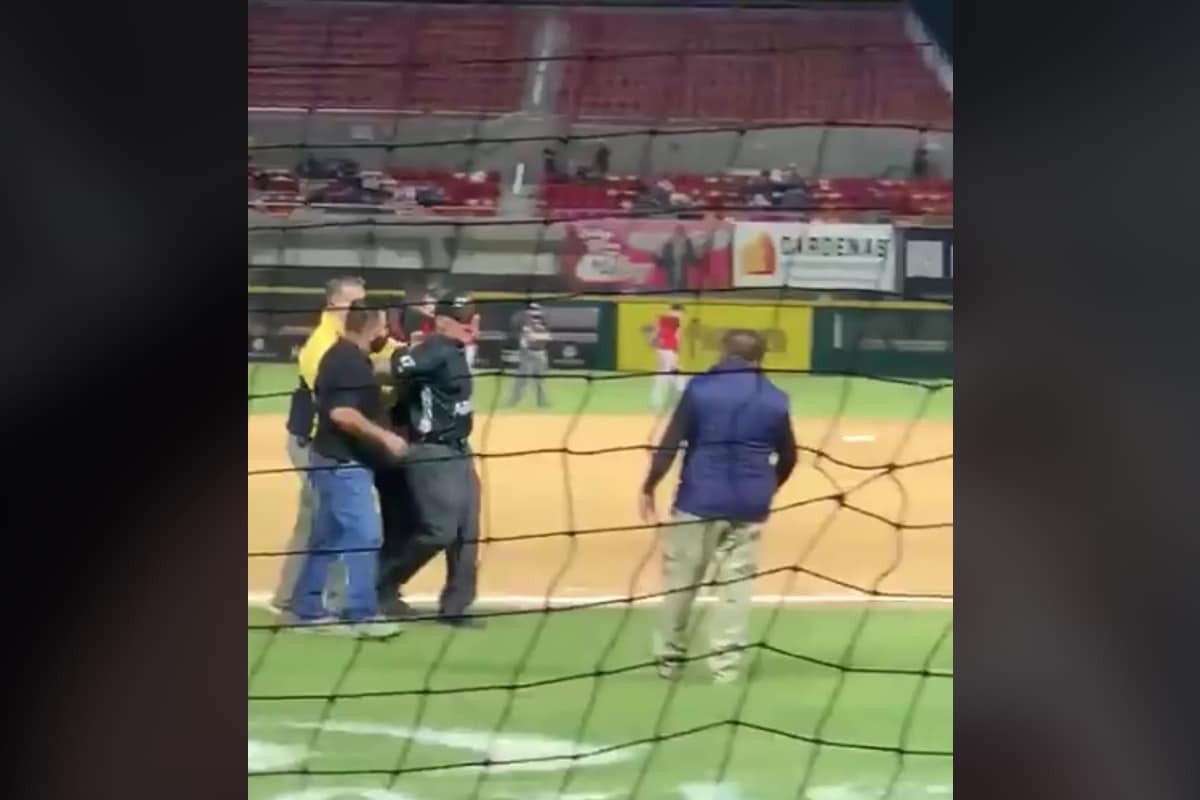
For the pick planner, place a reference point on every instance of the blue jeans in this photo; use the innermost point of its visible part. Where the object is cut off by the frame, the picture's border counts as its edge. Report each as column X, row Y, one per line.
column 345, row 527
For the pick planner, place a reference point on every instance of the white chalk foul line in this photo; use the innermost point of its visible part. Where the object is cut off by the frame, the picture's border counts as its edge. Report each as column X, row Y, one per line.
column 527, row 601
column 553, row 754
column 859, row 437
column 264, row 756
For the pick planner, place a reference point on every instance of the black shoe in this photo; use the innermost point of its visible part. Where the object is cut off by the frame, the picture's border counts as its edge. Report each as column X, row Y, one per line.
column 395, row 608
column 462, row 621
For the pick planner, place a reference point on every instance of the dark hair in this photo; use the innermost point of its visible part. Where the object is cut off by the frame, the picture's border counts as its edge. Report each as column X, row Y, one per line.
column 745, row 344
column 359, row 316
column 336, row 286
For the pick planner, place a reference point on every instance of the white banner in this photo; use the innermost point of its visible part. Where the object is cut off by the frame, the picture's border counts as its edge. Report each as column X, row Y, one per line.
column 814, row 255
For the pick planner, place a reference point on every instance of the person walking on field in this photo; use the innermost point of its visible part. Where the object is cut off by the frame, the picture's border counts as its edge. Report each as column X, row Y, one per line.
column 532, row 358
column 664, row 338
column 732, row 418
column 349, row 444
column 301, row 426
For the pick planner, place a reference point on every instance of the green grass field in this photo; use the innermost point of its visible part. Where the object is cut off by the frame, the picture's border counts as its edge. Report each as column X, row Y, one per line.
column 751, row 735
column 573, row 393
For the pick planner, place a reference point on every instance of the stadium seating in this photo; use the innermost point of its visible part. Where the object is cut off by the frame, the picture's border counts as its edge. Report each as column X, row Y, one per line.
column 830, row 197
column 386, row 57
column 462, row 194
column 815, row 64
column 826, row 64
column 805, row 64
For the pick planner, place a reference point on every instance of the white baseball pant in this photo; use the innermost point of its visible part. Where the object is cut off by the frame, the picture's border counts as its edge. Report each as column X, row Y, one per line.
column 668, row 376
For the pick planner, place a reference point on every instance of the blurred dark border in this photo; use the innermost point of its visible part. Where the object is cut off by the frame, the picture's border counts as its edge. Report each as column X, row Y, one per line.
column 1076, row 546
column 124, row 423
column 1074, row 533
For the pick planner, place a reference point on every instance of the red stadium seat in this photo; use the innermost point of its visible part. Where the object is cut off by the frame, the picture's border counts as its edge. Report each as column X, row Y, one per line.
column 887, row 83
column 386, row 57
column 397, row 57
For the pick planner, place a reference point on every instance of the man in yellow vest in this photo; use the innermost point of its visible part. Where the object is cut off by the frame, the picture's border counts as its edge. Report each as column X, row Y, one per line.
column 301, row 425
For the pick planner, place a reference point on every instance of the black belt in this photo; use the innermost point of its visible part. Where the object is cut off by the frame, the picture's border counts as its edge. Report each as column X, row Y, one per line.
column 455, row 444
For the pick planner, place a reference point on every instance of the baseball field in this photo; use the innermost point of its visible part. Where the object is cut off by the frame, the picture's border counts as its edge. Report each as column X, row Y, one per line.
column 844, row 699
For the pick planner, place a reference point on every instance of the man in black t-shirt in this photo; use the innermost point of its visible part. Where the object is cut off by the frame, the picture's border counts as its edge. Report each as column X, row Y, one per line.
column 439, row 466
column 348, row 443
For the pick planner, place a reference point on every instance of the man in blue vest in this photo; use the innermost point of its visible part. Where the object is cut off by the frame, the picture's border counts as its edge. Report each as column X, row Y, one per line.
column 732, row 419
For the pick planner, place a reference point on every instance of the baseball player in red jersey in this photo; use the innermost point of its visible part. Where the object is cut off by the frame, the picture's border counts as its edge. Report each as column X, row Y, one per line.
column 665, row 340
column 472, row 341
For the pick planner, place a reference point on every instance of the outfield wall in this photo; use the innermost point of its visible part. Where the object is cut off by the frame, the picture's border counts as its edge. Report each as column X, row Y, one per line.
column 894, row 339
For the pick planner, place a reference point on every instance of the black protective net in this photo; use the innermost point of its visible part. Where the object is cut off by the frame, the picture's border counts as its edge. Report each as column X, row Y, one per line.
column 422, row 148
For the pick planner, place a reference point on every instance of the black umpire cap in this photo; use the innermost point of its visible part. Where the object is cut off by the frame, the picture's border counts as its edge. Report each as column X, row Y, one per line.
column 456, row 305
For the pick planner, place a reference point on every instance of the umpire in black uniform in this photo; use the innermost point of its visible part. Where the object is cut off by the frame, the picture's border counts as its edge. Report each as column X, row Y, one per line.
column 439, row 468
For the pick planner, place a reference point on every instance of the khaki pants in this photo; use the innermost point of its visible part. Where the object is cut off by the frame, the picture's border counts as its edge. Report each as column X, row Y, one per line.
column 301, row 536
column 690, row 546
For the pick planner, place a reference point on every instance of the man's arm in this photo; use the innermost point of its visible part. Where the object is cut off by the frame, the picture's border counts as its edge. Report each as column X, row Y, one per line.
column 416, row 362
column 342, row 387
column 354, row 422
column 785, row 449
column 664, row 455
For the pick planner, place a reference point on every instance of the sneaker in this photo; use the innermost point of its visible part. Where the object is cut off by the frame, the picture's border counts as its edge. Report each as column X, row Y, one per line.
column 395, row 608
column 376, row 629
column 278, row 606
column 372, row 628
column 290, row 622
column 668, row 670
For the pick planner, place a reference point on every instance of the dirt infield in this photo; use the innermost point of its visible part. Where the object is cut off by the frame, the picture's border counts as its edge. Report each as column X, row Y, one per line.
column 551, row 491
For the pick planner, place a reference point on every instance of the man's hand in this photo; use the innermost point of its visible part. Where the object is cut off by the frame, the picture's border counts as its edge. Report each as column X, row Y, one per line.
column 646, row 508
column 395, row 444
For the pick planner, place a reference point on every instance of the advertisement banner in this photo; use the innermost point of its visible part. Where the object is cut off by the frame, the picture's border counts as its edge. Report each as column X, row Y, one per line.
column 630, row 254
column 899, row 343
column 581, row 334
column 815, row 255
column 787, row 330
column 927, row 255
column 278, row 324
column 273, row 348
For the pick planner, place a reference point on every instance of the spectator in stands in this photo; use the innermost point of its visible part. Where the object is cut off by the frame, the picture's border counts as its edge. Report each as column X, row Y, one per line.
column 922, row 166
column 676, row 258
column 761, row 191
column 258, row 176
column 313, row 168
column 344, row 168
column 309, row 167
column 648, row 198
column 348, row 190
column 663, row 191
column 600, row 162
column 429, row 196
column 550, row 164
column 795, row 196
